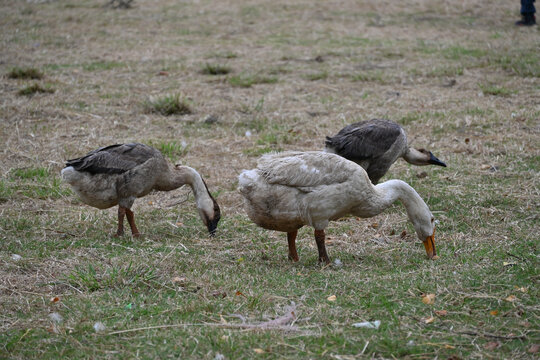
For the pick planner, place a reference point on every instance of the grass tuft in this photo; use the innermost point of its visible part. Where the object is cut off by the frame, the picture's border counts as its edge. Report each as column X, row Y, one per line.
column 35, row 89
column 494, row 90
column 172, row 149
column 215, row 69
column 25, row 73
column 246, row 80
column 173, row 104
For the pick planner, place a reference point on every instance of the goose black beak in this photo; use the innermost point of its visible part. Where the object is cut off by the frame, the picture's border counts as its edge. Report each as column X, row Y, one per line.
column 434, row 161
column 429, row 244
column 212, row 225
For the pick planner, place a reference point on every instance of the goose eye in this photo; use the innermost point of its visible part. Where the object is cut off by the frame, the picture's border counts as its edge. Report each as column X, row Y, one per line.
column 432, row 220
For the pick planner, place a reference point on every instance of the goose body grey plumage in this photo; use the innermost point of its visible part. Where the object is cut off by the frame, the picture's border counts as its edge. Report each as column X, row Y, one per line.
column 375, row 145
column 291, row 189
column 119, row 174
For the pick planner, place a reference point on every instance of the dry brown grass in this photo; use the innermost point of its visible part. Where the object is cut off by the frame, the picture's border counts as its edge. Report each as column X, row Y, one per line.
column 423, row 63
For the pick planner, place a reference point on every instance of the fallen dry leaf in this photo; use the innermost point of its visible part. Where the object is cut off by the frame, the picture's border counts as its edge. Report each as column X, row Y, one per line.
column 446, row 346
column 436, row 257
column 494, row 312
column 485, row 166
column 429, row 320
column 511, row 298
column 375, row 225
column 55, row 299
column 441, row 312
column 509, row 263
column 522, row 289
column 428, row 299
column 221, row 294
column 331, row 298
column 534, row 349
column 259, row 351
column 163, row 73
column 403, row 234
column 492, row 345
column 179, row 280
column 239, row 293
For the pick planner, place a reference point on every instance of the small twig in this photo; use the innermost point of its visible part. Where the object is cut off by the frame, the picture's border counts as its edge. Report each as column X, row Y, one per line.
column 515, row 256
column 495, row 336
column 365, row 347
column 230, row 326
column 60, row 232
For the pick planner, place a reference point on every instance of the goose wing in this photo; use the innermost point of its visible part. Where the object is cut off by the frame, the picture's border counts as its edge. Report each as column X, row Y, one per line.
column 365, row 140
column 305, row 169
column 114, row 159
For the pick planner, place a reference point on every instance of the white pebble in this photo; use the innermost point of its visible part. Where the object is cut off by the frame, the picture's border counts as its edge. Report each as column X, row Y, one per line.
column 56, row 317
column 368, row 324
column 16, row 257
column 248, row 133
column 99, row 326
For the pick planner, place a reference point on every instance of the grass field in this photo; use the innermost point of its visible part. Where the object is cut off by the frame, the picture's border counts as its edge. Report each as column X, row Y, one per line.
column 216, row 84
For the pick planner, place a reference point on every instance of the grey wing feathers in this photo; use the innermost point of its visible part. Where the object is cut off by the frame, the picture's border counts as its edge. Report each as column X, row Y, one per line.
column 305, row 169
column 364, row 140
column 114, row 159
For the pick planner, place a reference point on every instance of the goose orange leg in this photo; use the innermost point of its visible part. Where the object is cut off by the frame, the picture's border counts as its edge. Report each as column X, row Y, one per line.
column 291, row 238
column 131, row 221
column 121, row 214
column 319, row 239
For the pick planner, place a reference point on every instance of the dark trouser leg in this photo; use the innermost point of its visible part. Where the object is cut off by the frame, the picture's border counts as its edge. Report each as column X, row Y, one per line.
column 121, row 214
column 131, row 221
column 291, row 238
column 319, row 239
column 527, row 7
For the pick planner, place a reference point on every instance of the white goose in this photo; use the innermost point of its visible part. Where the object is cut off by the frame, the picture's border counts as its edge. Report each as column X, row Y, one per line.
column 118, row 174
column 291, row 189
column 375, row 145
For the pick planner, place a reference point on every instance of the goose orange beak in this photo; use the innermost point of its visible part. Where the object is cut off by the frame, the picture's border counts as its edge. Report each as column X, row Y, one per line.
column 429, row 244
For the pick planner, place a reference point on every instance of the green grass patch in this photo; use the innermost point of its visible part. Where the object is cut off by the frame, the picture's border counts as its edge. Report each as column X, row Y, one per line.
column 102, row 65
column 446, row 71
column 410, row 118
column 247, row 80
column 25, row 73
column 89, row 278
column 171, row 149
column 36, row 89
column 488, row 89
column 173, row 104
column 377, row 76
column 215, row 69
column 36, row 183
column 524, row 62
column 459, row 52
column 317, row 76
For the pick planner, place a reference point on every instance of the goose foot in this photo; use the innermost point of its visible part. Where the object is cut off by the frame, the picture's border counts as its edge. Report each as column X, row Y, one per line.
column 319, row 239
column 291, row 239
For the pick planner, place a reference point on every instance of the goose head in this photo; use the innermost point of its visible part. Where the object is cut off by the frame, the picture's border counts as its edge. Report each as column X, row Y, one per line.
column 209, row 211
column 425, row 157
column 424, row 225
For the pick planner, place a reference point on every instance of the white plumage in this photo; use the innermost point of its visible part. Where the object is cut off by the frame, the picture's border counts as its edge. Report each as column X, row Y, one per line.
column 291, row 189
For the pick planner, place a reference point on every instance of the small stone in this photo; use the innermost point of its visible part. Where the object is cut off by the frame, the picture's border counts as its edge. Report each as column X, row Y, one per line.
column 211, row 119
column 56, row 317
column 99, row 326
